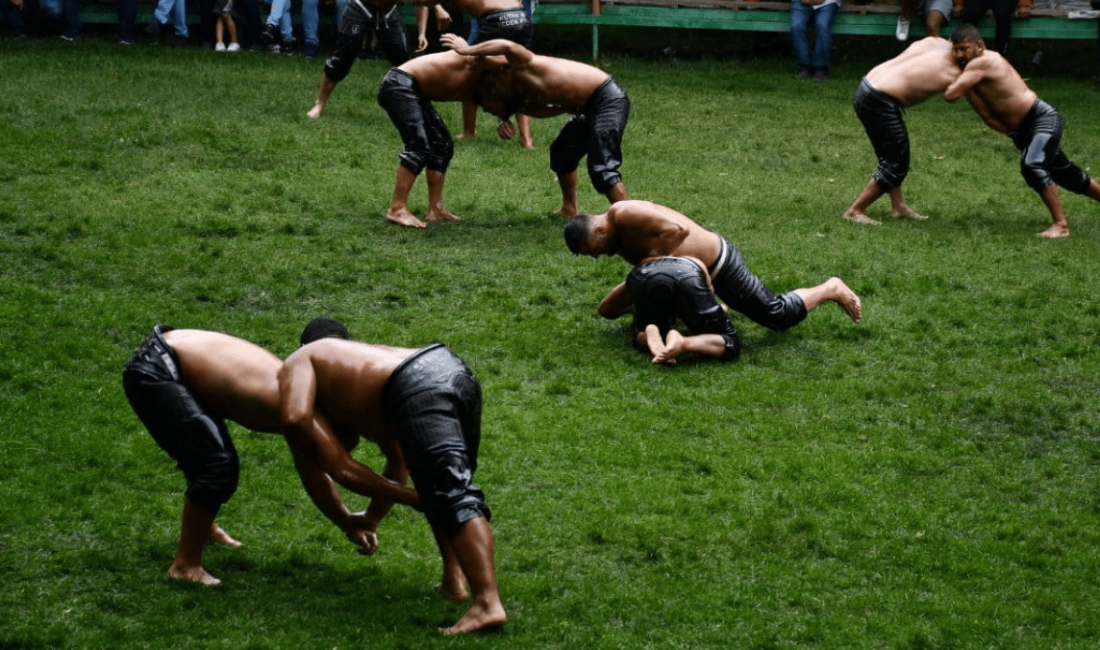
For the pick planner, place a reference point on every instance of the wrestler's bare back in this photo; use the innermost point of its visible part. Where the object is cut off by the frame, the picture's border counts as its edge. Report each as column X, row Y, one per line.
column 349, row 380
column 552, row 86
column 924, row 69
column 235, row 379
column 479, row 8
column 647, row 229
column 450, row 77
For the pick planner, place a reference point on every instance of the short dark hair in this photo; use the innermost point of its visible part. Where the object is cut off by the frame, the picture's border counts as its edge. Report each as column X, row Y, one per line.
column 324, row 328
column 965, row 32
column 576, row 232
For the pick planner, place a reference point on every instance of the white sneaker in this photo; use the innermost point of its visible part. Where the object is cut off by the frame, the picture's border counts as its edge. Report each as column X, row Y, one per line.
column 234, row 47
column 220, row 47
column 902, row 31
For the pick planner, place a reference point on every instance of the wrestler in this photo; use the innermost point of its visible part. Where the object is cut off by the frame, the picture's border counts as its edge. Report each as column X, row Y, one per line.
column 546, row 86
column 922, row 70
column 505, row 19
column 423, row 409
column 183, row 385
column 358, row 17
column 1003, row 100
column 637, row 230
column 407, row 93
column 665, row 290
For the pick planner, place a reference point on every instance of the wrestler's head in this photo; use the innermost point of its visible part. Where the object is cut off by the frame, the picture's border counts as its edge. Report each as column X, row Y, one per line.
column 324, row 328
column 966, row 44
column 576, row 233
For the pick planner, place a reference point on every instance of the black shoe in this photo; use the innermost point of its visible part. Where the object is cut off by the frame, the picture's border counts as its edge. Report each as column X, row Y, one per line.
column 179, row 41
column 269, row 35
column 154, row 29
column 290, row 47
column 311, row 51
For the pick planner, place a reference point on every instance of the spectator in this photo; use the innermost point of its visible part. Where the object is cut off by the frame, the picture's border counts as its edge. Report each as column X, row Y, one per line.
column 127, row 14
column 177, row 11
column 226, row 12
column 973, row 10
column 18, row 15
column 937, row 14
column 433, row 22
column 278, row 30
column 813, row 62
column 311, row 19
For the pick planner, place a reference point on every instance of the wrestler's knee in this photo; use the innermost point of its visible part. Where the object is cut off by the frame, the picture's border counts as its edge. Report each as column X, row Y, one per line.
column 216, row 482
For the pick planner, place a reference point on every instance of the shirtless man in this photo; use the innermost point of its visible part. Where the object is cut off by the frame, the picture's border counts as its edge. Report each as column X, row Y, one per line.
column 505, row 19
column 359, row 16
column 637, row 230
column 183, row 385
column 546, row 86
column 1002, row 99
column 922, row 70
column 665, row 290
column 423, row 409
column 407, row 93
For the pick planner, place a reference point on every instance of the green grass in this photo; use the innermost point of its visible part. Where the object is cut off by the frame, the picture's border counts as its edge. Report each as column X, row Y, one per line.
column 926, row 479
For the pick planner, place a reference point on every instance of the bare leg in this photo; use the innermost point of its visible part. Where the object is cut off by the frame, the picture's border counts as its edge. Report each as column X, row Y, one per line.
column 616, row 193
column 662, row 352
column 469, row 121
column 523, row 124
column 1060, row 228
column 899, row 209
column 473, row 546
column 196, row 529
column 869, row 195
column 232, row 27
column 436, row 211
column 327, row 86
column 836, row 291
column 399, row 211
column 453, row 585
column 219, row 29
column 568, row 184
column 933, row 20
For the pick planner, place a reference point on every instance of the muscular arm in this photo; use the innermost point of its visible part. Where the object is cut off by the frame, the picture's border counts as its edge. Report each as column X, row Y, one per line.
column 518, row 56
column 318, row 446
column 395, row 470
column 617, row 303
column 970, row 77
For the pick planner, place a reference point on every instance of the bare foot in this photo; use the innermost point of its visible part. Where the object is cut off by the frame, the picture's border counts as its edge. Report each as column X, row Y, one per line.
column 194, row 574
column 846, row 298
column 1055, row 231
column 467, row 136
column 316, row 111
column 405, row 218
column 567, row 212
column 908, row 213
column 455, row 592
column 479, row 617
column 219, row 536
column 441, row 214
column 527, row 144
column 657, row 345
column 859, row 217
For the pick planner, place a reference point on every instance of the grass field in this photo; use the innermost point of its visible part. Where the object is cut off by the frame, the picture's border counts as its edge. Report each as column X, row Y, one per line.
column 925, row 479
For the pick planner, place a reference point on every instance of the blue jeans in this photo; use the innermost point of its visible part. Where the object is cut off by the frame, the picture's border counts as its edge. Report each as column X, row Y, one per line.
column 311, row 17
column 280, row 17
column 177, row 11
column 817, row 59
column 127, row 14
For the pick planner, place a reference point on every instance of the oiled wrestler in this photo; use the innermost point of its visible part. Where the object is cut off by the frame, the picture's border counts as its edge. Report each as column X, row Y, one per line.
column 666, row 290
column 546, row 86
column 423, row 410
column 1001, row 97
column 359, row 17
column 491, row 19
column 638, row 230
column 924, row 69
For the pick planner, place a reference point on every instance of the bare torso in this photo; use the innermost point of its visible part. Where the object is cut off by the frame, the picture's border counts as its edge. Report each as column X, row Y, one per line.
column 479, row 8
column 235, row 379
column 1002, row 91
column 924, row 69
column 350, row 378
column 552, row 86
column 647, row 230
column 447, row 76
